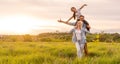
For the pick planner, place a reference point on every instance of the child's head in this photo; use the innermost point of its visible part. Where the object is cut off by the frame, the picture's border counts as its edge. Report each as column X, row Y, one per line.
column 82, row 17
column 73, row 9
column 78, row 24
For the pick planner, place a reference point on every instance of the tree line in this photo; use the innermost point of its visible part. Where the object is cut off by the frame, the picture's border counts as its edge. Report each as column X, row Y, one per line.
column 60, row 37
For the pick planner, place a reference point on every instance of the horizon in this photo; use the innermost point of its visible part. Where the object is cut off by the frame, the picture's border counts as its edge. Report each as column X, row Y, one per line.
column 40, row 16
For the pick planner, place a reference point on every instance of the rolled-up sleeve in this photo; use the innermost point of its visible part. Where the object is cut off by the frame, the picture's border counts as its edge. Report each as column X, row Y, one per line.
column 86, row 31
column 71, row 31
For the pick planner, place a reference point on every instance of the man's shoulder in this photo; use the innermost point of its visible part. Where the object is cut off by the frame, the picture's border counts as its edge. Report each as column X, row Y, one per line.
column 85, row 22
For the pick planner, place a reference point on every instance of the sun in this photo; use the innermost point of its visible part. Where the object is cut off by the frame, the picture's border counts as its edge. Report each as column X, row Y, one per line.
column 25, row 24
column 18, row 24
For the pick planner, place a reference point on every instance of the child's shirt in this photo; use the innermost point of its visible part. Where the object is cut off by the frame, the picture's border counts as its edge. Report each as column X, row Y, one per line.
column 78, row 13
column 78, row 34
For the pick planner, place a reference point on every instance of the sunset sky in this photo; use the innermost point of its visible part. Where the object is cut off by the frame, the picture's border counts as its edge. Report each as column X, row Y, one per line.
column 38, row 16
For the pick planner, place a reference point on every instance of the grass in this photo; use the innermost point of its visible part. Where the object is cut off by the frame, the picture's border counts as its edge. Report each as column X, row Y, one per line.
column 57, row 53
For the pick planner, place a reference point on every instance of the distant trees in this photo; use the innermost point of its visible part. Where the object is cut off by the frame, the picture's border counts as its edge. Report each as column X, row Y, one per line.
column 61, row 37
column 104, row 37
column 27, row 38
column 116, row 37
column 54, row 37
column 107, row 37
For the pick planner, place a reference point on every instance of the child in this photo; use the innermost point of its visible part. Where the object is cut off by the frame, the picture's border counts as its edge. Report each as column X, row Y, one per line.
column 76, row 12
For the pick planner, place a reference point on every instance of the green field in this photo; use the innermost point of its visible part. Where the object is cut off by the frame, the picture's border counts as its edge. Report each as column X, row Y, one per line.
column 57, row 53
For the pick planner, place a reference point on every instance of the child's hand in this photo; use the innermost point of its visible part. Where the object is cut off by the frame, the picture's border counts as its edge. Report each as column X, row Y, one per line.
column 60, row 20
column 85, row 5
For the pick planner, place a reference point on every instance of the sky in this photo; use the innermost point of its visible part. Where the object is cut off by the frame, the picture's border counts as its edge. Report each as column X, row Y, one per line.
column 38, row 16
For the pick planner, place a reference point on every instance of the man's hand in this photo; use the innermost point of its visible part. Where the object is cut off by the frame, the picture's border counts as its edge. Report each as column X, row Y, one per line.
column 88, row 26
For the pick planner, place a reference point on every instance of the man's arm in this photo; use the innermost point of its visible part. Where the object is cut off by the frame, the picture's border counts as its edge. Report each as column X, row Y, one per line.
column 86, row 22
column 87, row 25
column 87, row 31
column 83, row 6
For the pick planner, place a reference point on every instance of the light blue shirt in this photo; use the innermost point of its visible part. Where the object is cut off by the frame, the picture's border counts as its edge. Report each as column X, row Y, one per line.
column 82, row 34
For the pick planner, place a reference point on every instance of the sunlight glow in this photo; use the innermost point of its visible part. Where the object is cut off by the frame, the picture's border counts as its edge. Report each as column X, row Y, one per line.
column 19, row 24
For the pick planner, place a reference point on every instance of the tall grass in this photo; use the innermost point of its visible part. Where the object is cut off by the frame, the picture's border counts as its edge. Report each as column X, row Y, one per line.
column 57, row 53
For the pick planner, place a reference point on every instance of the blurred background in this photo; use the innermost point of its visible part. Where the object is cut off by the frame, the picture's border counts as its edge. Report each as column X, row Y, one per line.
column 39, row 16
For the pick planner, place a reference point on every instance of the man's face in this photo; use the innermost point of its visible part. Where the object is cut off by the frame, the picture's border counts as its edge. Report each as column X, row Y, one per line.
column 81, row 18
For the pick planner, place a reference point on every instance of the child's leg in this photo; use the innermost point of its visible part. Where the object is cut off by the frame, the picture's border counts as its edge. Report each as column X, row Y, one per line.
column 78, row 49
column 82, row 48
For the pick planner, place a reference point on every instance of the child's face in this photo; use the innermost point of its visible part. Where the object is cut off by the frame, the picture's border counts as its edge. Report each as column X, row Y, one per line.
column 79, row 23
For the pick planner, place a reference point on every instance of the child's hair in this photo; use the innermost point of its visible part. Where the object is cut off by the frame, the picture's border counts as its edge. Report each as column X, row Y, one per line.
column 80, row 23
column 73, row 13
column 74, row 16
column 72, row 8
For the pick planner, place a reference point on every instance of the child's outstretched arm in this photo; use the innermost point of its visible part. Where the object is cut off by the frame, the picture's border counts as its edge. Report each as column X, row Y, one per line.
column 83, row 6
column 72, row 24
column 69, row 19
column 62, row 21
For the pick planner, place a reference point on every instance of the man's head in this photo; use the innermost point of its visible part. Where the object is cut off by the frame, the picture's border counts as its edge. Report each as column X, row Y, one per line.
column 82, row 17
column 73, row 9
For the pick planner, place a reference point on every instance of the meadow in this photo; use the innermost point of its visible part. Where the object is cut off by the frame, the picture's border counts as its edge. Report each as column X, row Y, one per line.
column 57, row 53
